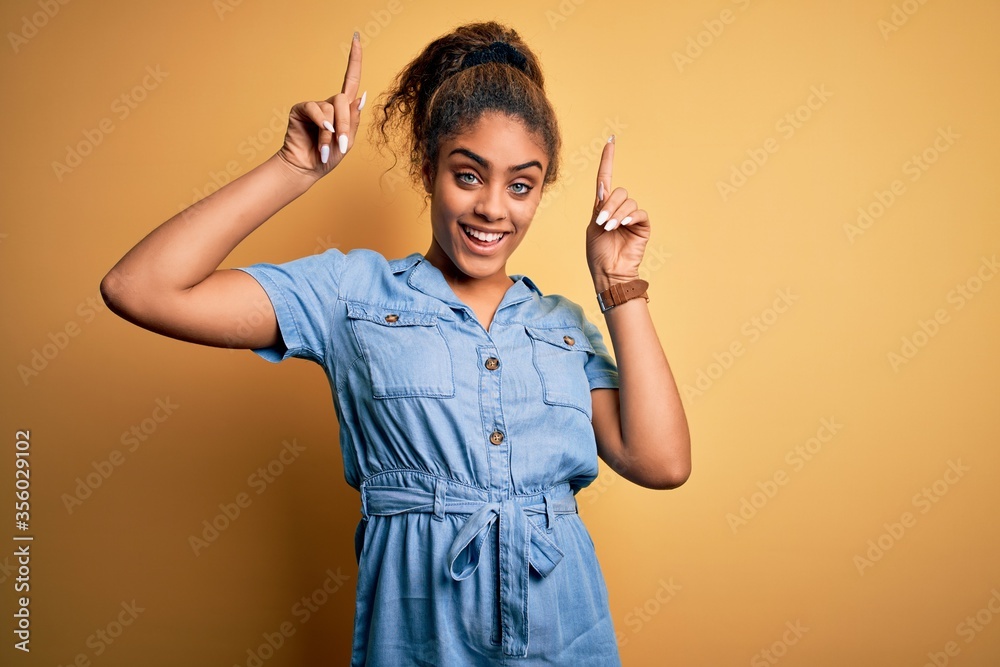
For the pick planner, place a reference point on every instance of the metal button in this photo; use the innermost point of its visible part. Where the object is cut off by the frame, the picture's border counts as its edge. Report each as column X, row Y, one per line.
column 492, row 364
column 496, row 437
column 392, row 317
column 569, row 340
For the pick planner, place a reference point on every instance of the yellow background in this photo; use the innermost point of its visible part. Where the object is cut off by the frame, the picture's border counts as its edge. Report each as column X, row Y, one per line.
column 688, row 584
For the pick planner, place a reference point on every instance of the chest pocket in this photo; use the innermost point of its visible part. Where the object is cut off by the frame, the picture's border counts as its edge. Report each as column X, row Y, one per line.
column 405, row 350
column 559, row 356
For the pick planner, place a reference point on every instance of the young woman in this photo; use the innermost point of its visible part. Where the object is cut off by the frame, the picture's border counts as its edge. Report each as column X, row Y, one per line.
column 472, row 407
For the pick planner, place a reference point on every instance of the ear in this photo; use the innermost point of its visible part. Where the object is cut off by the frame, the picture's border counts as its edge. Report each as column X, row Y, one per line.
column 425, row 176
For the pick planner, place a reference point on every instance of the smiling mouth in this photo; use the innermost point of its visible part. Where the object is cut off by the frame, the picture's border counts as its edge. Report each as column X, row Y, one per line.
column 485, row 238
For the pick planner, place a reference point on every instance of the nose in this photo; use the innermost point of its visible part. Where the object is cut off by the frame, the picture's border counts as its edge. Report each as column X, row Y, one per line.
column 491, row 205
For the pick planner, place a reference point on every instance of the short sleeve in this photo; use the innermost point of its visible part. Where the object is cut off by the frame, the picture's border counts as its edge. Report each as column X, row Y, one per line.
column 602, row 371
column 303, row 293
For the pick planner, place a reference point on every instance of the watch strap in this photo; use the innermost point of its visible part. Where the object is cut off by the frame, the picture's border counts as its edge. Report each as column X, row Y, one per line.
column 619, row 293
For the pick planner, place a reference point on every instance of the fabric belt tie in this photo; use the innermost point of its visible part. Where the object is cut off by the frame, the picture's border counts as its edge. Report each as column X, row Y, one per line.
column 522, row 543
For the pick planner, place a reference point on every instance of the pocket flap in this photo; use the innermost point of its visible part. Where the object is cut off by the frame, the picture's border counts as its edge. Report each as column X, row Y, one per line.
column 388, row 316
column 568, row 338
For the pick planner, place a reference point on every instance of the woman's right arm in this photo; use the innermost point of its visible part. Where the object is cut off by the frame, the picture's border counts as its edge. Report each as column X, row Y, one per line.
column 170, row 282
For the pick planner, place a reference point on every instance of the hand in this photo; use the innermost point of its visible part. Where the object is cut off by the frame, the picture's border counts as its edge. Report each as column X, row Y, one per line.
column 310, row 145
column 618, row 230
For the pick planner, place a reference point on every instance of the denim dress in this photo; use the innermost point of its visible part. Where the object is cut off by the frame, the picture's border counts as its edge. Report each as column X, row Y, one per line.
column 468, row 447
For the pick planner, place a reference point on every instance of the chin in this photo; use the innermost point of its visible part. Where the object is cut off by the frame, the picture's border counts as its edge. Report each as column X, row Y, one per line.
column 479, row 267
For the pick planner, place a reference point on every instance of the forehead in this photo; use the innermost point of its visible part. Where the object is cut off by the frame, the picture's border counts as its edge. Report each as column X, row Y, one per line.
column 499, row 138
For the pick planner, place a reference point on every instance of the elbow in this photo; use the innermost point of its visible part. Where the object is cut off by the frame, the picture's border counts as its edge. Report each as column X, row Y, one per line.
column 671, row 477
column 673, row 465
column 116, row 292
column 660, row 475
column 111, row 291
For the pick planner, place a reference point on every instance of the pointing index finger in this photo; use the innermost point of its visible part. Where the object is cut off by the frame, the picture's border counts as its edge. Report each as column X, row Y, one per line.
column 604, row 170
column 352, row 77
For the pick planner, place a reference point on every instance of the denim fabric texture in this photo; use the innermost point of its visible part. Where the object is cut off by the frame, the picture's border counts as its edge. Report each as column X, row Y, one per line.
column 468, row 447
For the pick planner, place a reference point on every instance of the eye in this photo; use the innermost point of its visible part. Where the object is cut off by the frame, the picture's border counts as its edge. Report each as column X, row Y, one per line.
column 526, row 188
column 461, row 177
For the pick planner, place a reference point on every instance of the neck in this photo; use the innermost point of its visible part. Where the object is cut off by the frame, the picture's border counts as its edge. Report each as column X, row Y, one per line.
column 462, row 283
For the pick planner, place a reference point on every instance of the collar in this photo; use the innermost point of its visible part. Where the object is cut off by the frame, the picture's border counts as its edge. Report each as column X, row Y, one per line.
column 427, row 278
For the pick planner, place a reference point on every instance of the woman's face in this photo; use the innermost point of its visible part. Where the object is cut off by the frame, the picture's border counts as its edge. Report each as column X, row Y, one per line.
column 483, row 197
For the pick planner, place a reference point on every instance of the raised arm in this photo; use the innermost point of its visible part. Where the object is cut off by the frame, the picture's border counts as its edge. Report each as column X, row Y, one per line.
column 641, row 429
column 170, row 283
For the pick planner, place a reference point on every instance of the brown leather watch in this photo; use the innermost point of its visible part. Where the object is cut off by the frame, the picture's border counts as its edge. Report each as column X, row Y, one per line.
column 619, row 293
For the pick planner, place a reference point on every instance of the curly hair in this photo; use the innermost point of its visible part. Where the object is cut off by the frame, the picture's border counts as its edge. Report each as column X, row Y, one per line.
column 436, row 97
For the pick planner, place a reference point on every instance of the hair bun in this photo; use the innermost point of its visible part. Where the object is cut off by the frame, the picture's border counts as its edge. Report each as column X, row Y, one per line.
column 497, row 52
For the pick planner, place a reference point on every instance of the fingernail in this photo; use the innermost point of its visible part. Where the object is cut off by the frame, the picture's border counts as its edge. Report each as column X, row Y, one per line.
column 356, row 35
column 604, row 215
column 611, row 139
column 342, row 143
column 328, row 125
column 612, row 223
column 324, row 153
column 361, row 104
column 627, row 220
column 600, row 191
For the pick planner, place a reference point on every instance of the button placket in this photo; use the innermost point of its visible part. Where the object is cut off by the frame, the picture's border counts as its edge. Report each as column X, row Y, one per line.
column 494, row 429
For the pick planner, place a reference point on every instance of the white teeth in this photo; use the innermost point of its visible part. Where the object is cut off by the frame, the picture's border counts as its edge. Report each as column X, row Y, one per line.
column 482, row 236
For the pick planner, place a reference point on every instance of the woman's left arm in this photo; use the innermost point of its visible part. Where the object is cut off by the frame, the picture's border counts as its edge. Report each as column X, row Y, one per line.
column 641, row 429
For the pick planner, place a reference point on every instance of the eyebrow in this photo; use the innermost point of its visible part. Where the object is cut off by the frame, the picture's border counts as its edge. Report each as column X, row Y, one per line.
column 486, row 163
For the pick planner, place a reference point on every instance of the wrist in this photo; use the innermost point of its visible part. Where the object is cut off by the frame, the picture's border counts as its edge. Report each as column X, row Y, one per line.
column 603, row 281
column 621, row 292
column 299, row 179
